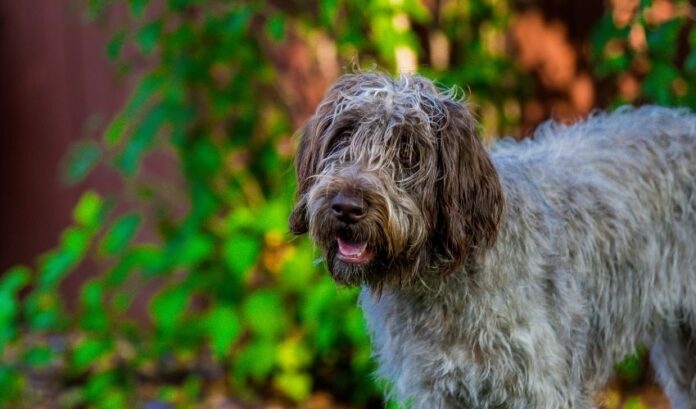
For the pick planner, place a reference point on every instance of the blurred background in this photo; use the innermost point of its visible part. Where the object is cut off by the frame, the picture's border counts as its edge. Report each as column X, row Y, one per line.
column 146, row 150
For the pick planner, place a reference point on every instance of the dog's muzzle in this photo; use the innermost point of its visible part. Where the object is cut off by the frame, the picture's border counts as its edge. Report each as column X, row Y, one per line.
column 350, row 209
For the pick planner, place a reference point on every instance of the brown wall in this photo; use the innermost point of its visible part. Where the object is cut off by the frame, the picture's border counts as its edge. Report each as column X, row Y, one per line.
column 56, row 86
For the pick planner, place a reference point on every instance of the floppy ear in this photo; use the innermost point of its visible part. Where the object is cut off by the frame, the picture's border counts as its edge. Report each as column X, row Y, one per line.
column 471, row 203
column 305, row 168
column 312, row 144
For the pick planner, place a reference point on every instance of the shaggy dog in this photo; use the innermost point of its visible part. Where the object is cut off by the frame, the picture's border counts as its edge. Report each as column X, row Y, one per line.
column 509, row 278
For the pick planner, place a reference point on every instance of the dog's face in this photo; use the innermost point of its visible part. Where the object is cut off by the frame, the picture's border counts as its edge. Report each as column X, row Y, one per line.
column 393, row 182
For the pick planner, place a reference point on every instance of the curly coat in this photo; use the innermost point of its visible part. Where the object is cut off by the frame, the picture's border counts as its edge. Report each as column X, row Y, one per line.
column 513, row 277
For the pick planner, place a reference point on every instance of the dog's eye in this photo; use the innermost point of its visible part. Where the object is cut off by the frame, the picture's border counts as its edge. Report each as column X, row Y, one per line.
column 408, row 155
column 339, row 141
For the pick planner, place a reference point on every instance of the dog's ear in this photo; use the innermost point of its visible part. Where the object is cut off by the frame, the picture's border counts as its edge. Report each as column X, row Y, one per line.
column 305, row 168
column 312, row 145
column 471, row 197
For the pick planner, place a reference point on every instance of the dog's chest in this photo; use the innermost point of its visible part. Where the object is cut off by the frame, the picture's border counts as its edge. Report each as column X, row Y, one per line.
column 459, row 350
column 418, row 344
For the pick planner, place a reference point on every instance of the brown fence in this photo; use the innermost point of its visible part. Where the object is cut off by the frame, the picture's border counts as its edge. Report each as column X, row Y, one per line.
column 56, row 86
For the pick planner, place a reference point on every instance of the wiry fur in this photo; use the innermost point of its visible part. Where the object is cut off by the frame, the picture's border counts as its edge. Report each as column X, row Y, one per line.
column 513, row 278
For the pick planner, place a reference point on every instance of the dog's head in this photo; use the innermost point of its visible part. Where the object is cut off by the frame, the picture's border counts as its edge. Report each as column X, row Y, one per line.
column 393, row 181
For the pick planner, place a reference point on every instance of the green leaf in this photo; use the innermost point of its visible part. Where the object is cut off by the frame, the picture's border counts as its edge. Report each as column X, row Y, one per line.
column 204, row 158
column 54, row 266
column 137, row 7
column 238, row 21
column 92, row 296
column 115, row 131
column 168, row 307
column 631, row 367
column 12, row 383
column 89, row 211
column 11, row 282
column 299, row 270
column 264, row 314
column 87, row 352
column 605, row 31
column 293, row 355
column 663, row 38
column 42, row 309
column 14, row 279
column 275, row 27
column 115, row 45
column 192, row 250
column 148, row 87
column 328, row 10
column 690, row 63
column 75, row 242
column 148, row 37
column 141, row 140
column 355, row 327
column 120, row 234
column 223, row 328
column 257, row 360
column 241, row 252
column 657, row 84
column 295, row 385
column 80, row 160
column 38, row 356
column 146, row 257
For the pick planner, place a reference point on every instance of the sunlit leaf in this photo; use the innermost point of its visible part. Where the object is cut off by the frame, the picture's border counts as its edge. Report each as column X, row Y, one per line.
column 293, row 355
column 89, row 210
column 295, row 385
column 264, row 314
column 75, row 241
column 115, row 131
column 298, row 271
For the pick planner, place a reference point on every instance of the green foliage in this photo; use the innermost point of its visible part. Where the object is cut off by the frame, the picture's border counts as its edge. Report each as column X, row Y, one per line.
column 226, row 291
column 666, row 75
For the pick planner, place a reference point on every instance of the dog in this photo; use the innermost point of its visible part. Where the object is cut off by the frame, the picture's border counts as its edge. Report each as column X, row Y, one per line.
column 510, row 277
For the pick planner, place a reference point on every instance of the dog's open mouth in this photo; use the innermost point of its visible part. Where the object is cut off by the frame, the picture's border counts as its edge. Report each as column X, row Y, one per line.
column 354, row 252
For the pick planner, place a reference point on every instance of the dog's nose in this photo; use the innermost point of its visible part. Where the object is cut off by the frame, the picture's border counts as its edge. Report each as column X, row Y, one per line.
column 348, row 208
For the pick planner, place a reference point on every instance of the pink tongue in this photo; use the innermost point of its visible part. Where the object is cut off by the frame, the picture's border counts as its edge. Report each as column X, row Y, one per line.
column 351, row 249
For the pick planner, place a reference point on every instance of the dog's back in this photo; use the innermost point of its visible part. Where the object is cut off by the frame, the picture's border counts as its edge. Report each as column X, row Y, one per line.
column 596, row 255
column 611, row 202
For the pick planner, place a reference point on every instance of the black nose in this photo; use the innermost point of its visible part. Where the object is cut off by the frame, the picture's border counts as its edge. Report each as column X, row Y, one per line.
column 348, row 208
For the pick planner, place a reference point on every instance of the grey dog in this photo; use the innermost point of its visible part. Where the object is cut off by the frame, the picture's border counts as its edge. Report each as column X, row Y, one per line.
column 514, row 277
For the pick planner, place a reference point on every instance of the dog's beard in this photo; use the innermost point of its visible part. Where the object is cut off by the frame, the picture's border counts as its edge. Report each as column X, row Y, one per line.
column 354, row 254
